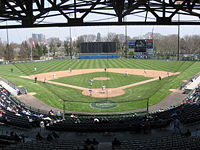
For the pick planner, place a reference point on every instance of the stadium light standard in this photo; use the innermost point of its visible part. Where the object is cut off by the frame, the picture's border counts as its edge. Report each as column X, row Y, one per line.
column 7, row 36
column 126, row 42
column 178, row 52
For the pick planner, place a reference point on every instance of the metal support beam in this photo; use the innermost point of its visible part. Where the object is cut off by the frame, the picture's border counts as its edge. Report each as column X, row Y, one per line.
column 41, row 13
column 28, row 20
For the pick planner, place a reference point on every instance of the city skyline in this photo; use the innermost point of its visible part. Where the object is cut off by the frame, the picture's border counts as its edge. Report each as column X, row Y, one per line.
column 19, row 35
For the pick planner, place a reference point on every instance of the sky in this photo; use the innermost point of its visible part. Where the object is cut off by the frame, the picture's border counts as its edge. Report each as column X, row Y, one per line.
column 19, row 35
column 22, row 34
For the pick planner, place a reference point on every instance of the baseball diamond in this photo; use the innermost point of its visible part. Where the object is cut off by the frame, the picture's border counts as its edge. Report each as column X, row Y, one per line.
column 128, row 83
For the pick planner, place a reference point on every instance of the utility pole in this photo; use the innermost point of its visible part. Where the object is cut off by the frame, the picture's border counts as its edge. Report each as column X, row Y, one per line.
column 126, row 42
column 178, row 52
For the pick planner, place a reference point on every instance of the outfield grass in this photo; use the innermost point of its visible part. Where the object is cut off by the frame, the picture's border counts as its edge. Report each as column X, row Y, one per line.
column 135, row 97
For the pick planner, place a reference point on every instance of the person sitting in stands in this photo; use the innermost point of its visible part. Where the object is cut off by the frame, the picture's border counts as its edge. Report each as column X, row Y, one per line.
column 59, row 114
column 9, row 109
column 96, row 120
column 77, row 120
column 51, row 113
column 116, row 142
column 14, row 111
column 3, row 97
column 1, row 112
column 73, row 116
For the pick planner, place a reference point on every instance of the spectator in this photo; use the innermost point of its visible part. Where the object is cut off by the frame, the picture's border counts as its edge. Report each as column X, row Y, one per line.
column 177, row 126
column 25, row 91
column 59, row 114
column 42, row 124
column 73, row 116
column 1, row 112
column 23, row 138
column 96, row 120
column 51, row 113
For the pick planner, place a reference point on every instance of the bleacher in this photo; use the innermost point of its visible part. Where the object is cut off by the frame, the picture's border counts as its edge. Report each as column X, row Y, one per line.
column 175, row 142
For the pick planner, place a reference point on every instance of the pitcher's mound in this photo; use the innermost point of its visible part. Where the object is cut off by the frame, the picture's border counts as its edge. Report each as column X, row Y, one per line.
column 99, row 93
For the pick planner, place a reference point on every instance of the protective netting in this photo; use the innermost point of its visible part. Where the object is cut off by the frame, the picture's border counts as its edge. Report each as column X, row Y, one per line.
column 137, row 97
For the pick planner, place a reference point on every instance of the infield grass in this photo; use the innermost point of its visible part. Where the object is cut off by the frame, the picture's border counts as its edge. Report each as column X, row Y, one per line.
column 115, row 80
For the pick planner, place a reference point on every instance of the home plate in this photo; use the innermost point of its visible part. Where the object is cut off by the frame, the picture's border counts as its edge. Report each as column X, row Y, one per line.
column 109, row 92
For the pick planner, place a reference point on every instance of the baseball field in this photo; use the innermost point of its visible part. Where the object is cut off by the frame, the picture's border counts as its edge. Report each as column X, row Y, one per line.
column 100, row 85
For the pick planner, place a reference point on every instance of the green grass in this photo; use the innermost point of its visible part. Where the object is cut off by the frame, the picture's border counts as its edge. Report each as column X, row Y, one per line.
column 116, row 80
column 135, row 97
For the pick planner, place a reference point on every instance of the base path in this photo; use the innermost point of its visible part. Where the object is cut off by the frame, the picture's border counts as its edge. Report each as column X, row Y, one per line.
column 99, row 93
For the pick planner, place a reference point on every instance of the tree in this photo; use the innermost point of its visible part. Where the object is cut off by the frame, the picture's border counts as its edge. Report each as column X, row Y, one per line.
column 24, row 52
column 2, row 49
column 9, row 52
column 54, row 44
column 67, row 46
column 44, row 49
column 38, row 51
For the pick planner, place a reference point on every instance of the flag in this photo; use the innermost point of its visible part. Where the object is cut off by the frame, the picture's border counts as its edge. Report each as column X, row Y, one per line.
column 33, row 44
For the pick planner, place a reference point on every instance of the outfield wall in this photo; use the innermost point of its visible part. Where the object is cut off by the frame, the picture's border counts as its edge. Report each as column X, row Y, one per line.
column 98, row 57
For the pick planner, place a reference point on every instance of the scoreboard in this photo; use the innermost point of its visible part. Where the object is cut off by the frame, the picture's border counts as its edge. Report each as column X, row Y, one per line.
column 144, row 46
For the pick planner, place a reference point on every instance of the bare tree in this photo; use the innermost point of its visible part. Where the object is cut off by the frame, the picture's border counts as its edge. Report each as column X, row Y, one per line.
column 24, row 52
column 54, row 44
column 9, row 51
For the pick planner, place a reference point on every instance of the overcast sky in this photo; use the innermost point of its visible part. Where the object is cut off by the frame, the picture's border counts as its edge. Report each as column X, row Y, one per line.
column 19, row 35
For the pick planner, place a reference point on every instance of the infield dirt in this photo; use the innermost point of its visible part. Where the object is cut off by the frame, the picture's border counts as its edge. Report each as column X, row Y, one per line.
column 101, row 93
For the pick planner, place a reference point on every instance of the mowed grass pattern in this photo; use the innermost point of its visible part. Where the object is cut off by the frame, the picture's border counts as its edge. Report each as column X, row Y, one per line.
column 135, row 97
column 115, row 80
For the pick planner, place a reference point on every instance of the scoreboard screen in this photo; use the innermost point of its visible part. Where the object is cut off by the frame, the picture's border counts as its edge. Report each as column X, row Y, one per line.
column 140, row 46
column 144, row 45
